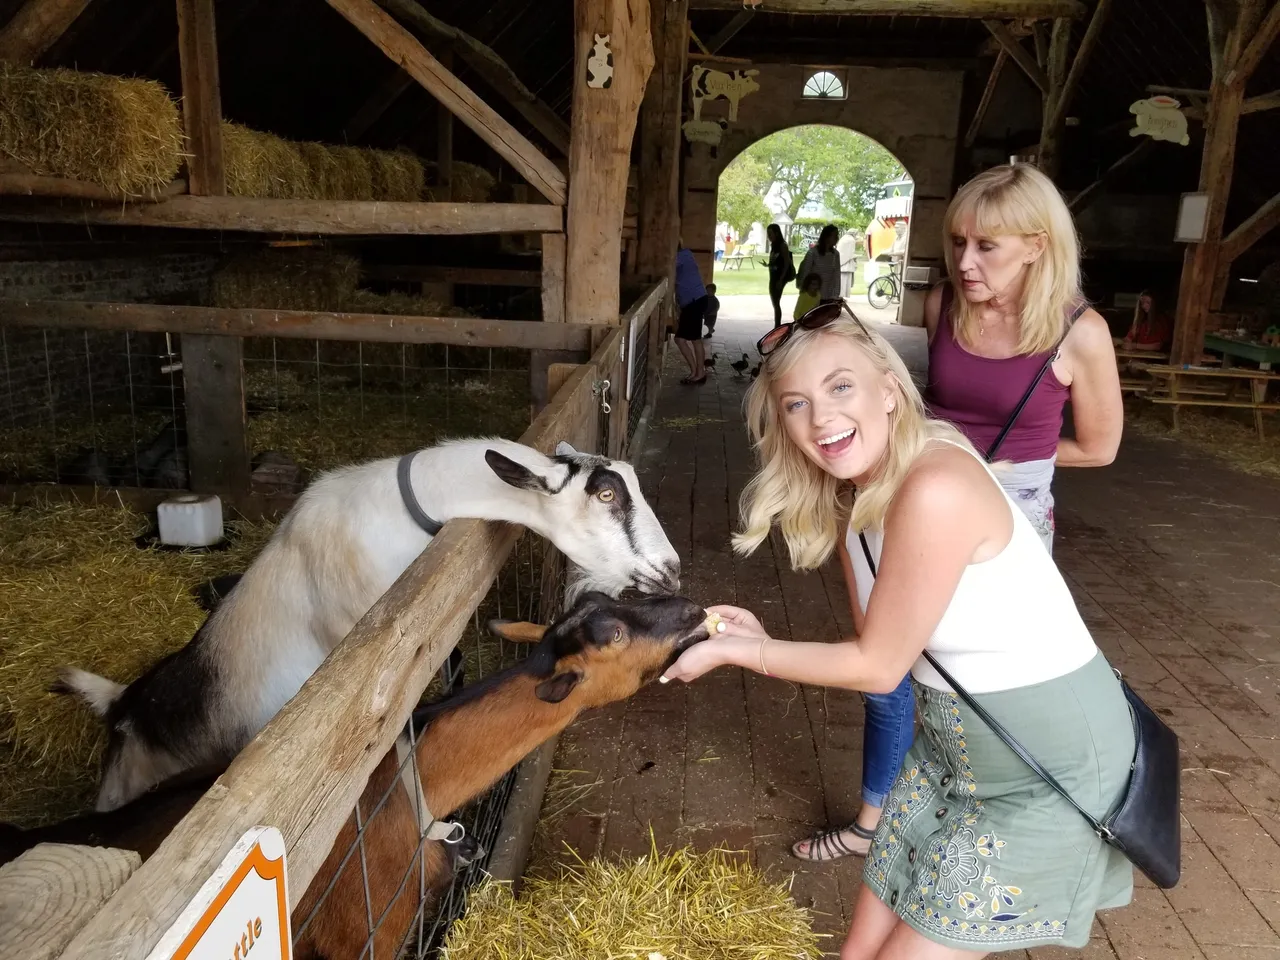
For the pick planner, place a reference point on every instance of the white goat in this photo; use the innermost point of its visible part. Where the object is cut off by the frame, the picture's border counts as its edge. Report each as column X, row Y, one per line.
column 346, row 540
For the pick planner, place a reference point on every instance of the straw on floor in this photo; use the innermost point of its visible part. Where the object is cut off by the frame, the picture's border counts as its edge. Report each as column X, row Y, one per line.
column 75, row 589
column 680, row 905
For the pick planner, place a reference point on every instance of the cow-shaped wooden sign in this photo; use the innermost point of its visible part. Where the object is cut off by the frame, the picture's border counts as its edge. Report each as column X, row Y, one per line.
column 716, row 85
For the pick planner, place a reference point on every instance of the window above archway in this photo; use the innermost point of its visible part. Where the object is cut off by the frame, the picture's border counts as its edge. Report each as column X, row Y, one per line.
column 823, row 85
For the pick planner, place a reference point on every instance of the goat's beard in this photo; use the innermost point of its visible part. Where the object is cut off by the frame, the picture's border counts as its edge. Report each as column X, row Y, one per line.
column 578, row 582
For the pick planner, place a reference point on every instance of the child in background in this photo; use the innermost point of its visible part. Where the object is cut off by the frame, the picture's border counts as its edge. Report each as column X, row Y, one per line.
column 809, row 297
column 713, row 310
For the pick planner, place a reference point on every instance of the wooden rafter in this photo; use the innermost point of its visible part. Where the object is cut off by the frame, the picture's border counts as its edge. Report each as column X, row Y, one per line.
column 1091, row 35
column 379, row 102
column 1095, row 189
column 490, row 67
column 966, row 9
column 1265, row 219
column 992, row 80
column 311, row 217
column 730, row 30
column 1009, row 43
column 405, row 49
column 1264, row 101
column 1259, row 43
column 36, row 27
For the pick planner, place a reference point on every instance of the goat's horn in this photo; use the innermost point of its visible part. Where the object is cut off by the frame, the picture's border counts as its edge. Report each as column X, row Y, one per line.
column 517, row 631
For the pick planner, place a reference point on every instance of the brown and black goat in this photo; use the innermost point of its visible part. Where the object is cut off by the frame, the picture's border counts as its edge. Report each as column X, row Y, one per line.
column 601, row 651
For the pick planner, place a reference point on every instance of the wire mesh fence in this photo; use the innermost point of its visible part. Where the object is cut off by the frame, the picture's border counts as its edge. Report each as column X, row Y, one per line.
column 430, row 883
column 107, row 408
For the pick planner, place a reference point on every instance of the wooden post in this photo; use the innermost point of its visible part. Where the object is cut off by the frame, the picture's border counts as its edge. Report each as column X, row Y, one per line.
column 1051, row 125
column 1091, row 35
column 553, row 277
column 602, row 128
column 1202, row 264
column 212, row 367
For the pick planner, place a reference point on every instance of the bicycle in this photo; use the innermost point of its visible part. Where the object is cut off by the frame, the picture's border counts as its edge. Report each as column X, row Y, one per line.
column 885, row 290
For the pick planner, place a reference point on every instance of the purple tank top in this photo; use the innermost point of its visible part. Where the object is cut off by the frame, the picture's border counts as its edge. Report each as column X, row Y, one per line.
column 978, row 394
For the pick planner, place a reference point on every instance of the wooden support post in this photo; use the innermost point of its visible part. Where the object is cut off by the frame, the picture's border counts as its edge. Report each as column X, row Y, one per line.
column 553, row 277
column 603, row 125
column 402, row 47
column 36, row 27
column 1081, row 61
column 964, row 9
column 212, row 367
column 444, row 144
column 993, row 79
column 201, row 100
column 1202, row 264
column 1051, row 132
column 660, row 143
column 1009, row 43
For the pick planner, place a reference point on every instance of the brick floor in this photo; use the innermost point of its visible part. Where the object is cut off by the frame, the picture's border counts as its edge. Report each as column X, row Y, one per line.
column 1173, row 561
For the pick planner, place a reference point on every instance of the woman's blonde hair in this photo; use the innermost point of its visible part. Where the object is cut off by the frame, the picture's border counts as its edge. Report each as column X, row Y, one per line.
column 811, row 507
column 1019, row 199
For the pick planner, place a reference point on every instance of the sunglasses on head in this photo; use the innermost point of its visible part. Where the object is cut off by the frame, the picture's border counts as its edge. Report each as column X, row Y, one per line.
column 821, row 315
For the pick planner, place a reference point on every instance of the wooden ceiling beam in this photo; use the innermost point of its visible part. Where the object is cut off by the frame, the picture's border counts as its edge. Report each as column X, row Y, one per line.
column 1009, row 43
column 992, row 79
column 379, row 102
column 1265, row 219
column 490, row 67
column 404, row 48
column 1264, row 101
column 1259, row 43
column 965, row 9
column 730, row 30
column 36, row 27
column 1091, row 35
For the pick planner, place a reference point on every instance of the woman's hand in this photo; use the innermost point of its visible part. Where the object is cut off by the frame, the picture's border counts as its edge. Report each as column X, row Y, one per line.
column 702, row 658
column 738, row 622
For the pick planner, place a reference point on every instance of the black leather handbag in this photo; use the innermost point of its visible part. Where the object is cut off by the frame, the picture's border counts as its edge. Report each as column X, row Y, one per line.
column 1146, row 825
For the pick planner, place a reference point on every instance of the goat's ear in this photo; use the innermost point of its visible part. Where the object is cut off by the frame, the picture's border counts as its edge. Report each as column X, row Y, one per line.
column 565, row 449
column 559, row 686
column 517, row 631
column 516, row 474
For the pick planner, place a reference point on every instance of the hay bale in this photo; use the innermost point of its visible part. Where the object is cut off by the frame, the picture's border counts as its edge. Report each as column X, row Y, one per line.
column 469, row 184
column 263, row 165
column 324, row 172
column 75, row 589
column 354, row 179
column 713, row 906
column 301, row 278
column 124, row 134
column 397, row 175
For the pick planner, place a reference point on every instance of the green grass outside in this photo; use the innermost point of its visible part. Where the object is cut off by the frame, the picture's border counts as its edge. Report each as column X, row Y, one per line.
column 746, row 281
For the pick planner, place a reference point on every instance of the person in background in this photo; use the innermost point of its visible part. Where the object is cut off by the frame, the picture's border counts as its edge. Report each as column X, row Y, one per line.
column 1011, row 305
column 691, row 298
column 1151, row 329
column 824, row 261
column 712, row 310
column 782, row 269
column 809, row 297
column 976, row 853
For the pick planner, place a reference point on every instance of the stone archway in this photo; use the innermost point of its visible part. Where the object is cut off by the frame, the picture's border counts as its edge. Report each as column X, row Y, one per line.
column 912, row 113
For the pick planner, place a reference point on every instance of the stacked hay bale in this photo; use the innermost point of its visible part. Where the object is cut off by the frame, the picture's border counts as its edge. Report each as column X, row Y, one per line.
column 76, row 589
column 469, row 183
column 123, row 134
column 264, row 165
column 714, row 906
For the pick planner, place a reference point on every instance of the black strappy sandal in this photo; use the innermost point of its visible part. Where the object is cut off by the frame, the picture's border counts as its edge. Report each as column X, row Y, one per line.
column 827, row 845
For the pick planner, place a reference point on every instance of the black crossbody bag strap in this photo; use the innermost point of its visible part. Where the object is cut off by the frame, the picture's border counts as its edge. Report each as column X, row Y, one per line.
column 1035, row 382
column 996, row 727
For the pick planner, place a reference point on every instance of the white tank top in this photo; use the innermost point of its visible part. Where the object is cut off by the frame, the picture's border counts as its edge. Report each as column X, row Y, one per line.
column 1011, row 623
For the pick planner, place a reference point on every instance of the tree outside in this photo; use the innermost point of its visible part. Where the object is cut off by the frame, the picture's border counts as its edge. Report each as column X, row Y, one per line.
column 831, row 166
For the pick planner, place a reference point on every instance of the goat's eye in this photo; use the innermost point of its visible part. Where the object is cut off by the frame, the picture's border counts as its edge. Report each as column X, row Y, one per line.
column 605, row 496
column 617, row 635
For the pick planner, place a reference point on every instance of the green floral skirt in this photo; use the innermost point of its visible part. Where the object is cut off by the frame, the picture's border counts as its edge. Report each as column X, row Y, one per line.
column 974, row 850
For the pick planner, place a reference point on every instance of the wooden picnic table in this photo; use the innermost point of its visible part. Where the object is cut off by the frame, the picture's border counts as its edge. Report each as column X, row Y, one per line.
column 1196, row 393
column 1231, row 348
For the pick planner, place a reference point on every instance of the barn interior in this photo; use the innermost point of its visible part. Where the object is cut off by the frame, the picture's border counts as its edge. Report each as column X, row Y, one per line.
column 243, row 243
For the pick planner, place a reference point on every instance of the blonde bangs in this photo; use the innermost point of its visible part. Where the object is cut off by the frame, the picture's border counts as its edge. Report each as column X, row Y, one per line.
column 812, row 508
column 1019, row 200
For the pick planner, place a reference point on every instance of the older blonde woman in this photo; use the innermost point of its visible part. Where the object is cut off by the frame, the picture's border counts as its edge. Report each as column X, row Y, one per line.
column 975, row 852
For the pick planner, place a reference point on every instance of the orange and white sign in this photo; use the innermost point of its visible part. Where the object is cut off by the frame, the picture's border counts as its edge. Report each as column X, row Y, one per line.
column 241, row 912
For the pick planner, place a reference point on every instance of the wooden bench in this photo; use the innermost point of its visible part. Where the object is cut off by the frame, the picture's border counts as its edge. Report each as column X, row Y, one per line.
column 1182, row 393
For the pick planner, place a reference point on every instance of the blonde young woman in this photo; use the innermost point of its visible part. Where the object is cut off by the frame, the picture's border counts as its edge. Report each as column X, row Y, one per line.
column 975, row 853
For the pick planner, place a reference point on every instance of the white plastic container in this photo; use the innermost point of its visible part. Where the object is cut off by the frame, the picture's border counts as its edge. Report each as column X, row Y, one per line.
column 190, row 520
